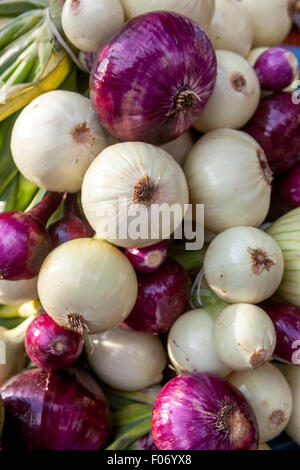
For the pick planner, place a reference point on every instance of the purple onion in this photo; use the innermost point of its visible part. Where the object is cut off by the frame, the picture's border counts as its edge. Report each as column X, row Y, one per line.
column 148, row 259
column 288, row 190
column 276, row 68
column 203, row 412
column 50, row 346
column 72, row 225
column 162, row 298
column 286, row 319
column 152, row 79
column 24, row 240
column 276, row 127
column 64, row 410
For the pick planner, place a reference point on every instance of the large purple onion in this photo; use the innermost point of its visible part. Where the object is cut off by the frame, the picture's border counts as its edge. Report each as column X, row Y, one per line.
column 276, row 127
column 55, row 411
column 286, row 319
column 24, row 240
column 152, row 79
column 162, row 298
column 203, row 412
column 288, row 190
column 276, row 68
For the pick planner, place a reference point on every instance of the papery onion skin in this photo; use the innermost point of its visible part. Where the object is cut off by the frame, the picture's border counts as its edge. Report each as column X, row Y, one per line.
column 148, row 259
column 55, row 411
column 276, row 127
column 288, row 189
column 276, row 68
column 50, row 346
column 180, row 147
column 18, row 292
column 162, row 298
column 203, row 412
column 141, row 87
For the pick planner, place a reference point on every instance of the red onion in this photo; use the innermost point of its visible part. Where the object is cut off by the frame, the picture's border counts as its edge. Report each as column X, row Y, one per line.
column 162, row 298
column 148, row 259
column 203, row 412
column 72, row 225
column 288, row 190
column 276, row 127
column 286, row 319
column 276, row 68
column 24, row 241
column 152, row 79
column 50, row 346
column 55, row 411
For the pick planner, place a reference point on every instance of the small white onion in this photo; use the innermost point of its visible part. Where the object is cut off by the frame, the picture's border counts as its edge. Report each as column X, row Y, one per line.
column 126, row 360
column 55, row 139
column 269, row 394
column 271, row 20
column 243, row 264
column 201, row 11
column 18, row 292
column 190, row 344
column 180, row 147
column 89, row 23
column 292, row 375
column 231, row 27
column 235, row 97
column 87, row 285
column 244, row 337
column 227, row 171
column 142, row 175
column 255, row 54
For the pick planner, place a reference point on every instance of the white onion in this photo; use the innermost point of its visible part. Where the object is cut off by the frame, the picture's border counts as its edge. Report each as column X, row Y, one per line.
column 201, row 11
column 244, row 337
column 89, row 23
column 180, row 147
column 243, row 264
column 18, row 292
column 55, row 139
column 263, row 446
column 227, row 171
column 142, row 175
column 87, row 285
column 126, row 360
column 231, row 27
column 292, row 375
column 255, row 54
column 190, row 344
column 235, row 97
column 271, row 20
column 270, row 396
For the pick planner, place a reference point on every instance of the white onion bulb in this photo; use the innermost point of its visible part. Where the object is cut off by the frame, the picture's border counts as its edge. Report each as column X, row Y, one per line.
column 243, row 264
column 255, row 54
column 180, row 147
column 18, row 292
column 235, row 97
column 228, row 172
column 190, row 344
column 89, row 23
column 271, row 20
column 269, row 394
column 142, row 175
column 244, row 337
column 201, row 11
column 292, row 375
column 55, row 139
column 231, row 27
column 87, row 285
column 126, row 360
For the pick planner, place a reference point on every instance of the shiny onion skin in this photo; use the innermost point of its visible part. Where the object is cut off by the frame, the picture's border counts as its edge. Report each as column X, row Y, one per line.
column 50, row 346
column 162, row 298
column 276, row 127
column 152, row 79
column 203, row 412
column 276, row 68
column 55, row 411
column 288, row 188
column 147, row 259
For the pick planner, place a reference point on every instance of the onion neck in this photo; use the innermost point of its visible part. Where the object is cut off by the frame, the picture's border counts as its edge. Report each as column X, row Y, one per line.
column 232, row 422
column 44, row 209
column 184, row 99
column 264, row 166
column 145, row 191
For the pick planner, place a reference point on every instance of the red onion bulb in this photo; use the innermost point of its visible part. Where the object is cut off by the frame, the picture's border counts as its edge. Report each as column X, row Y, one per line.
column 288, row 189
column 276, row 68
column 147, row 259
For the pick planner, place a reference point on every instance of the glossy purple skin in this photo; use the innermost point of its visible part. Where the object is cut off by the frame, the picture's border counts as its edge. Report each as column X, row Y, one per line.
column 162, row 298
column 148, row 259
column 185, row 415
column 50, row 346
column 286, row 319
column 64, row 410
column 276, row 127
column 140, row 70
column 274, row 68
column 288, row 191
